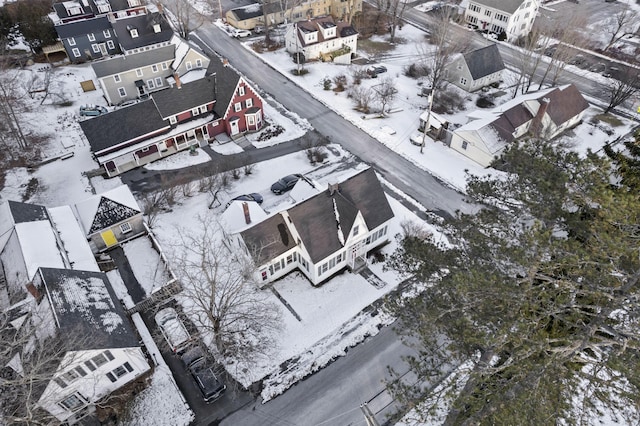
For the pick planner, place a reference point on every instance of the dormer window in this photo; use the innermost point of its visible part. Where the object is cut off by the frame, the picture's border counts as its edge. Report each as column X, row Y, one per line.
column 133, row 3
column 133, row 32
column 156, row 28
column 73, row 8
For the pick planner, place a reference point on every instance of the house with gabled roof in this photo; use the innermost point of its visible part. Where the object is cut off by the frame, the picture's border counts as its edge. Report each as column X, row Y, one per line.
column 175, row 119
column 323, row 38
column 543, row 114
column 142, row 32
column 51, row 286
column 512, row 19
column 324, row 234
column 474, row 70
column 110, row 218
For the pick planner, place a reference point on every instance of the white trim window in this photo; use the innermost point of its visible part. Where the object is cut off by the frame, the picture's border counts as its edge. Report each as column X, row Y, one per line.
column 150, row 84
column 249, row 103
column 139, row 72
column 125, row 227
column 110, row 44
column 173, row 119
column 71, row 41
column 203, row 109
column 154, row 68
column 106, row 33
column 120, row 371
column 250, row 120
column 198, row 63
column 72, row 402
column 91, row 37
column 158, row 82
column 188, row 65
column 95, row 48
column 76, row 52
column 122, row 92
column 241, row 91
column 237, row 107
column 195, row 111
column 164, row 66
column 117, row 78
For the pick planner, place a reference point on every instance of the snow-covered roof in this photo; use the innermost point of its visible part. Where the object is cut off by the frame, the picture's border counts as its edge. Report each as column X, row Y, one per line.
column 39, row 246
column 75, row 243
column 182, row 48
column 435, row 120
column 104, row 210
column 306, row 188
column 233, row 218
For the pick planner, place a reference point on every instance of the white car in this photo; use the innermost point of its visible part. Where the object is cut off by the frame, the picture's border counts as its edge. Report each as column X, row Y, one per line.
column 241, row 33
column 173, row 330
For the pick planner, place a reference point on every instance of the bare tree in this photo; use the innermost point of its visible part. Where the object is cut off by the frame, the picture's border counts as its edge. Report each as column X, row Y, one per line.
column 393, row 10
column 223, row 296
column 215, row 184
column 622, row 88
column 362, row 96
column 619, row 25
column 385, row 93
column 10, row 106
column 183, row 16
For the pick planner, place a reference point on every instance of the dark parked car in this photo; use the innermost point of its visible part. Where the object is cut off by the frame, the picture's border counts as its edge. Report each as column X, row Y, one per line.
column 247, row 197
column 285, row 184
column 374, row 70
column 208, row 382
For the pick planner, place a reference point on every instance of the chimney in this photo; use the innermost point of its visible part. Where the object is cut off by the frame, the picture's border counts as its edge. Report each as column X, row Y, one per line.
column 333, row 188
column 176, row 77
column 245, row 210
column 536, row 123
column 225, row 62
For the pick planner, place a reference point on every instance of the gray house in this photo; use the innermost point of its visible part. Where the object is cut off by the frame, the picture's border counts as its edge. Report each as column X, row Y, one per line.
column 142, row 32
column 477, row 69
column 88, row 39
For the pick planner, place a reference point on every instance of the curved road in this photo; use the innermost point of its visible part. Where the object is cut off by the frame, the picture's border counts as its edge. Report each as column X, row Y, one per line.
column 431, row 193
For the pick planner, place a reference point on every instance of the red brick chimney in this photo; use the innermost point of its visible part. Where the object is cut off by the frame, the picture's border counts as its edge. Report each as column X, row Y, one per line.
column 176, row 77
column 536, row 123
column 247, row 215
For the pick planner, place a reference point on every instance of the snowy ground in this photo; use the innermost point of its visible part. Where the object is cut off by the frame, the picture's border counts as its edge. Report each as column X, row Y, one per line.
column 313, row 342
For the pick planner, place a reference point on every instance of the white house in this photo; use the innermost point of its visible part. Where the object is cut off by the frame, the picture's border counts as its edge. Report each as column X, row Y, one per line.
column 474, row 70
column 514, row 18
column 322, row 38
column 323, row 234
column 544, row 114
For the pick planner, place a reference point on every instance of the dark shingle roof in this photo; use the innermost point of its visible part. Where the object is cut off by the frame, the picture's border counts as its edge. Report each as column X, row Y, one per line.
column 86, row 26
column 85, row 303
column 146, row 34
column 129, row 62
column 109, row 213
column 172, row 100
column 508, row 6
column 249, row 12
column 312, row 25
column 484, row 61
column 122, row 125
column 318, row 224
column 25, row 212
column 565, row 104
column 225, row 81
column 268, row 239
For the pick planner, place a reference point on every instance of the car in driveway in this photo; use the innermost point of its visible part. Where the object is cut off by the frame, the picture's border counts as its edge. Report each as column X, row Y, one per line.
column 374, row 70
column 209, row 383
column 254, row 196
column 173, row 330
column 285, row 184
column 237, row 33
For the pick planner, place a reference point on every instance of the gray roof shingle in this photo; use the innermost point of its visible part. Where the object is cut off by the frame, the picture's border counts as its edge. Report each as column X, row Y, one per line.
column 484, row 61
column 508, row 6
column 86, row 26
column 172, row 101
column 225, row 80
column 27, row 212
column 268, row 239
column 123, row 63
column 144, row 25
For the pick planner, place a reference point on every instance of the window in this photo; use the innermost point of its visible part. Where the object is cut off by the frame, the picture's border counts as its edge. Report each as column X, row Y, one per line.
column 99, row 359
column 164, row 65
column 90, row 365
column 325, row 267
column 106, row 33
column 173, row 119
column 195, row 111
column 250, row 120
column 188, row 65
column 122, row 92
column 463, row 81
column 264, row 275
column 117, row 78
column 60, row 382
column 110, row 44
column 154, row 68
column 76, row 53
column 95, row 48
column 125, row 227
column 128, row 367
column 339, row 258
column 71, row 41
column 289, row 259
column 91, row 37
column 203, row 109
column 111, row 377
column 487, row 12
column 72, row 402
column 474, row 8
column 356, row 229
column 150, row 84
column 249, row 103
column 237, row 107
column 109, row 355
column 120, row 371
column 241, row 90
column 70, row 376
column 81, row 371
column 198, row 63
column 158, row 82
column 139, row 72
column 332, row 263
column 464, row 144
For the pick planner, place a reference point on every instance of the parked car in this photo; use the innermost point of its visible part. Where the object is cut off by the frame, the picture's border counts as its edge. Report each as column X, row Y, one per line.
column 285, row 184
column 374, row 70
column 237, row 33
column 173, row 330
column 258, row 29
column 210, row 385
column 92, row 110
column 247, row 197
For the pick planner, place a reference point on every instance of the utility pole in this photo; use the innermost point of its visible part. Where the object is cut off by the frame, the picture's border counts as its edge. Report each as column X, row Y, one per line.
column 427, row 124
column 368, row 415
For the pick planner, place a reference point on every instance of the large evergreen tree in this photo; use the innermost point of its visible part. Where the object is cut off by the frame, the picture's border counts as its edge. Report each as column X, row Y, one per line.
column 538, row 291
